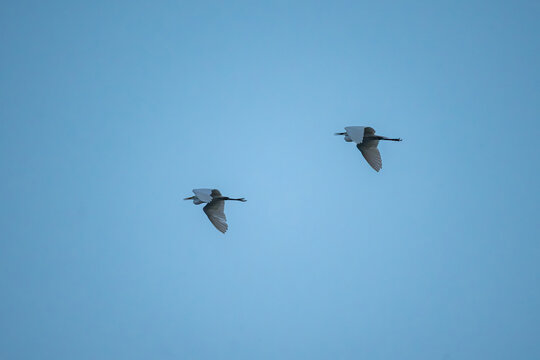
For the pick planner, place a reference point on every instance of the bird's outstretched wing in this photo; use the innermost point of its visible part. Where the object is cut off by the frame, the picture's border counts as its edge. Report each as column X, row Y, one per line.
column 215, row 211
column 372, row 156
column 203, row 194
column 355, row 133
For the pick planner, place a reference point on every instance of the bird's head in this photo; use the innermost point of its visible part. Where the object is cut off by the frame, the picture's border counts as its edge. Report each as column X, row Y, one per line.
column 347, row 138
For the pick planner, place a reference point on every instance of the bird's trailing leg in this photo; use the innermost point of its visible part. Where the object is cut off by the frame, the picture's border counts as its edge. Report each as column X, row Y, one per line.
column 228, row 198
column 377, row 137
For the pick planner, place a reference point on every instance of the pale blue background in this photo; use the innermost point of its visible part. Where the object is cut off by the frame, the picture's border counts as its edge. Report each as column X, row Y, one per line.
column 111, row 112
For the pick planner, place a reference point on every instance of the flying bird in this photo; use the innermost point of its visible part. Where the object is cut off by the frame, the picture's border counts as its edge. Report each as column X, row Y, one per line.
column 366, row 141
column 215, row 206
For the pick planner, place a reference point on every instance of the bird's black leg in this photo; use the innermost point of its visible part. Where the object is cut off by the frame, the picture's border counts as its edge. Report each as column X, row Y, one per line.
column 228, row 198
column 376, row 137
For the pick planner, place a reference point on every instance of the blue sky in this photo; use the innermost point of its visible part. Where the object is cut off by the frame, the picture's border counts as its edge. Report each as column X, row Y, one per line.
column 112, row 112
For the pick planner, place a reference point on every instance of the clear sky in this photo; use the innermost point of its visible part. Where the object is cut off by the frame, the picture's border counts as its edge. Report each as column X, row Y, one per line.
column 111, row 112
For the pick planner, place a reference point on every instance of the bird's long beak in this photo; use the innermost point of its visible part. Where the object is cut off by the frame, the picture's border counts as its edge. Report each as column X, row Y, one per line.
column 342, row 133
column 189, row 198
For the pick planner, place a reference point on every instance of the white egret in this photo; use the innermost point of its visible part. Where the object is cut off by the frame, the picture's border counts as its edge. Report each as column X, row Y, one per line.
column 215, row 206
column 366, row 141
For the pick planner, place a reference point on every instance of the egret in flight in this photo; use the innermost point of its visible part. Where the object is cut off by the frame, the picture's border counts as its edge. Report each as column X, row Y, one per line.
column 215, row 206
column 366, row 141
